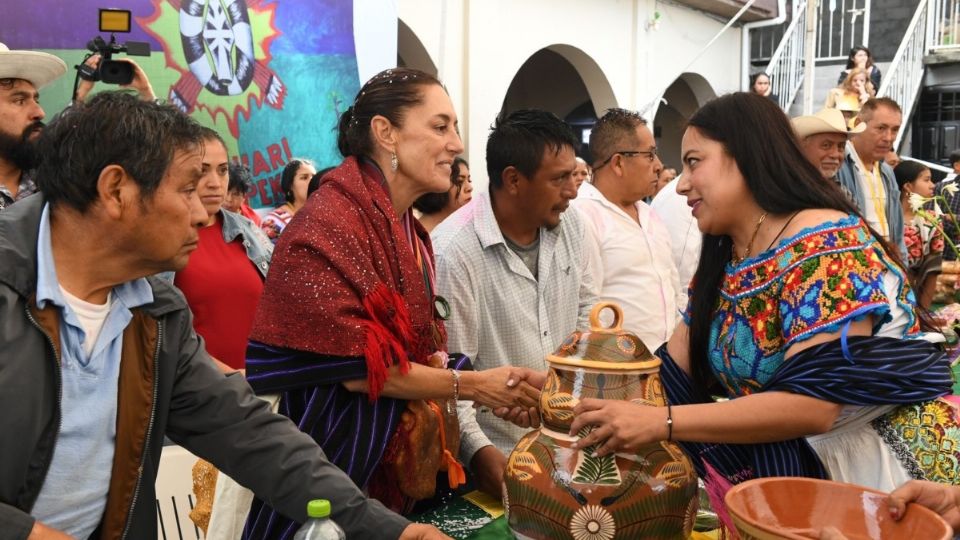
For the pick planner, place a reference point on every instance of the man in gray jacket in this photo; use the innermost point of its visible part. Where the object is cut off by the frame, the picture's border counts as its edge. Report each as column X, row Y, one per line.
column 865, row 175
column 98, row 361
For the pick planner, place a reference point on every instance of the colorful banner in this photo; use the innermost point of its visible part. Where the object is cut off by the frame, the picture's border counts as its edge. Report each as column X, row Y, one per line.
column 271, row 77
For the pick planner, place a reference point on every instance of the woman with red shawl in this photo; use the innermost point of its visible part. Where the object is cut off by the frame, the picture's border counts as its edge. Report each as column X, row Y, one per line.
column 349, row 324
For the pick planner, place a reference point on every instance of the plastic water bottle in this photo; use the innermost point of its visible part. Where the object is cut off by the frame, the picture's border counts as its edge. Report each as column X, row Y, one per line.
column 319, row 526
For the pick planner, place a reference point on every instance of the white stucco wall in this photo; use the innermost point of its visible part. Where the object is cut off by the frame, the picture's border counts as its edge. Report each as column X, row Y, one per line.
column 479, row 45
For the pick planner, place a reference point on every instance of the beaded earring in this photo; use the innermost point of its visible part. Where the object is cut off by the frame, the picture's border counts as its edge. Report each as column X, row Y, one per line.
column 394, row 162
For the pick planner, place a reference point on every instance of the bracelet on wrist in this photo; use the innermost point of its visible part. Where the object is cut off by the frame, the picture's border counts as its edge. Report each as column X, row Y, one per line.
column 669, row 422
column 456, row 384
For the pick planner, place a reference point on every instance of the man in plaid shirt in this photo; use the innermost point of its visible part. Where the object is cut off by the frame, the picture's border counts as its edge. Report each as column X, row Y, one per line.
column 21, row 74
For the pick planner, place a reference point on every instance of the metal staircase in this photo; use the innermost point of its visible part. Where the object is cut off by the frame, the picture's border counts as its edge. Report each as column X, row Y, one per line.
column 935, row 26
column 903, row 78
column 840, row 24
column 786, row 64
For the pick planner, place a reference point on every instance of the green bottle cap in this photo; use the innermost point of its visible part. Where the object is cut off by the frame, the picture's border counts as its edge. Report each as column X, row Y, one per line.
column 318, row 508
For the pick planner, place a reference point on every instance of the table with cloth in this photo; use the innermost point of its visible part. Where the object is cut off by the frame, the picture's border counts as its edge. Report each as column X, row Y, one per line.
column 475, row 516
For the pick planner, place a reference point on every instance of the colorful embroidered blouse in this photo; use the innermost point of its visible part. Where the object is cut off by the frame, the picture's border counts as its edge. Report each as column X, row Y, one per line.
column 923, row 237
column 810, row 283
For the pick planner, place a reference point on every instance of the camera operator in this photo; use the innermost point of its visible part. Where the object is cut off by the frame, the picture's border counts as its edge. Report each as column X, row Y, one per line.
column 22, row 73
column 140, row 82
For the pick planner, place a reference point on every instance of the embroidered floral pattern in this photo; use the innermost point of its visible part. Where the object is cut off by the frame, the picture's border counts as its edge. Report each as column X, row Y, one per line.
column 922, row 238
column 893, row 440
column 810, row 283
column 931, row 433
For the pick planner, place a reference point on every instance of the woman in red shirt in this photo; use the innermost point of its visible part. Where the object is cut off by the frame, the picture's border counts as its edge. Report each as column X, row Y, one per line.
column 224, row 279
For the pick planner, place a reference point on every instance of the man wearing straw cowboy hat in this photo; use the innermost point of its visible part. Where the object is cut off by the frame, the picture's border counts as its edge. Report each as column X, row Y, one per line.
column 22, row 74
column 823, row 138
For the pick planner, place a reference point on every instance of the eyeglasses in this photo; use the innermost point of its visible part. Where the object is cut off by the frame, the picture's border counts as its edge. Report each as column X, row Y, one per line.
column 651, row 155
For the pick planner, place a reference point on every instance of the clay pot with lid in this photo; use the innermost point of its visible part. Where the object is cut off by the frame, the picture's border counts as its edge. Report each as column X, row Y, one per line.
column 553, row 491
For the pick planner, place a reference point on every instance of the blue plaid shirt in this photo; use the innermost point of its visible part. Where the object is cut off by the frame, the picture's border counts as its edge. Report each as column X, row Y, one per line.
column 27, row 187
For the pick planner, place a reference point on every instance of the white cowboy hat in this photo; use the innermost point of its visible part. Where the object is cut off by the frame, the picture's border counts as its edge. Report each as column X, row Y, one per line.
column 39, row 68
column 825, row 121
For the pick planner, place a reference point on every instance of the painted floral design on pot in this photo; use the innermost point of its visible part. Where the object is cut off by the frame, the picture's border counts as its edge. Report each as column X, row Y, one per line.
column 555, row 491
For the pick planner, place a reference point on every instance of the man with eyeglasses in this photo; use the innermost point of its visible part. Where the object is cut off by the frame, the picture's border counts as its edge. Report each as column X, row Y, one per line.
column 627, row 244
column 512, row 266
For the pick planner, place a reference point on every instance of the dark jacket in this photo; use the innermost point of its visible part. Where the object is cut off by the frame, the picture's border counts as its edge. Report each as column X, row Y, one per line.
column 167, row 386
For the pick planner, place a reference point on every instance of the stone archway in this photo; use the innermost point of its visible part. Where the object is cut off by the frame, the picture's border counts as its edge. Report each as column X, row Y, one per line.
column 679, row 101
column 566, row 81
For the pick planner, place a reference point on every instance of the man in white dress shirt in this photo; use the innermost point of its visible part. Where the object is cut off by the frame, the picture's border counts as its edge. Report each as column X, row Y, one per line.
column 628, row 245
column 512, row 266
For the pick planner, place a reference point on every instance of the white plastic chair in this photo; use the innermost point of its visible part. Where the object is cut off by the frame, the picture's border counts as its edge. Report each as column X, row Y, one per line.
column 175, row 495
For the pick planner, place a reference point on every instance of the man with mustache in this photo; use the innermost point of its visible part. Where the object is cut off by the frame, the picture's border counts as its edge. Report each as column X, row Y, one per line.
column 22, row 73
column 868, row 178
column 823, row 139
column 627, row 243
column 513, row 268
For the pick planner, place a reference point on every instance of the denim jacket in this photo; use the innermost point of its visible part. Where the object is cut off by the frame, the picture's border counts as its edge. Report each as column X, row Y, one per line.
column 259, row 248
column 849, row 178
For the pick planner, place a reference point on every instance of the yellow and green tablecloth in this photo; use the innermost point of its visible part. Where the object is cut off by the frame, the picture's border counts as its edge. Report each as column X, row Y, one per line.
column 469, row 517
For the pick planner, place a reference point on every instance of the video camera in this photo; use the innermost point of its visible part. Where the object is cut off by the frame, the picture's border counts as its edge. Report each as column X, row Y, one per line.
column 108, row 70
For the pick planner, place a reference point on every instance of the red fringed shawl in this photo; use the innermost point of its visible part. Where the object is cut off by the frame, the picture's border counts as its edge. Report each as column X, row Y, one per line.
column 344, row 280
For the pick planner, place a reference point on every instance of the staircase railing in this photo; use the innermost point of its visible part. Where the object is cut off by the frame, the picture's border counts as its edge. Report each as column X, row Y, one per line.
column 841, row 24
column 786, row 64
column 931, row 166
column 904, row 76
column 944, row 25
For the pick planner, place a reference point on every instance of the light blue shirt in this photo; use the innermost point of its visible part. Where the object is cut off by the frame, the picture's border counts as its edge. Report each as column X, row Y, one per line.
column 74, row 492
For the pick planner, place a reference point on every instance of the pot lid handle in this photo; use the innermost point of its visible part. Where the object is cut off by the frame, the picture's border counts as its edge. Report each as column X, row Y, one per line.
column 596, row 325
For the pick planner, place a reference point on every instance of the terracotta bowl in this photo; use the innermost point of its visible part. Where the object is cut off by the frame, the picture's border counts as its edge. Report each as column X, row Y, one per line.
column 798, row 508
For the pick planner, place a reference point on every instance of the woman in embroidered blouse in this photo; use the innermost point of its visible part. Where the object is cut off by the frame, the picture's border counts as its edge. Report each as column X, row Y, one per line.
column 923, row 230
column 293, row 181
column 798, row 314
